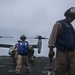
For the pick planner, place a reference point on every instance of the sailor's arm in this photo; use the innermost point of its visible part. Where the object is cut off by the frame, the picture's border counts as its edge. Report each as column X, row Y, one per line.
column 15, row 47
column 52, row 40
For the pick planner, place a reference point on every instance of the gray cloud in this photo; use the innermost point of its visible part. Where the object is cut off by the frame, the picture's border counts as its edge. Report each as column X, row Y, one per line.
column 30, row 17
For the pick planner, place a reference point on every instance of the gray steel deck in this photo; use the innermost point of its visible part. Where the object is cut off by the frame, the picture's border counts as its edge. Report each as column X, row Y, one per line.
column 39, row 67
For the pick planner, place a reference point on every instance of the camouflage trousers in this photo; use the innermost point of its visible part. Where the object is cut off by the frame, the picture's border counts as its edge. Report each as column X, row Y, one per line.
column 65, row 63
column 19, row 63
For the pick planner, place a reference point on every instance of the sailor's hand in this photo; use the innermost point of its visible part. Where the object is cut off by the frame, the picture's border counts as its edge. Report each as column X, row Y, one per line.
column 51, row 53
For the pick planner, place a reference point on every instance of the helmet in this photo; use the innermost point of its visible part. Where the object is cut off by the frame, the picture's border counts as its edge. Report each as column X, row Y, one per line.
column 22, row 37
column 70, row 12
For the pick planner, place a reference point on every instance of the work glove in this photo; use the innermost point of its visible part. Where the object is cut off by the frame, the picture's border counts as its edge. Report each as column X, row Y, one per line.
column 51, row 53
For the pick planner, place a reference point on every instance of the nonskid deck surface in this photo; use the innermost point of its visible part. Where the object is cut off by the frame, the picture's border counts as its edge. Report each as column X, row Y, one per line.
column 40, row 66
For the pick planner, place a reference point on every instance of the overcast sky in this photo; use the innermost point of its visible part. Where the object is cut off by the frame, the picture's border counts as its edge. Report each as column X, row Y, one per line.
column 30, row 17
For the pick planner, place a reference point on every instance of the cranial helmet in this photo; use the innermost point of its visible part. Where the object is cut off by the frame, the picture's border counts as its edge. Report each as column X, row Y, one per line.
column 22, row 37
column 70, row 12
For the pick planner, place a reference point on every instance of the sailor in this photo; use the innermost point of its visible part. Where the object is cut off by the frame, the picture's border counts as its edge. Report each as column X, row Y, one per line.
column 22, row 48
column 63, row 38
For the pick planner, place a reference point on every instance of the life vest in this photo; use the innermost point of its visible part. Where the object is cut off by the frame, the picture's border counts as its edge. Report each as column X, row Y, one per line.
column 23, row 48
column 66, row 38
